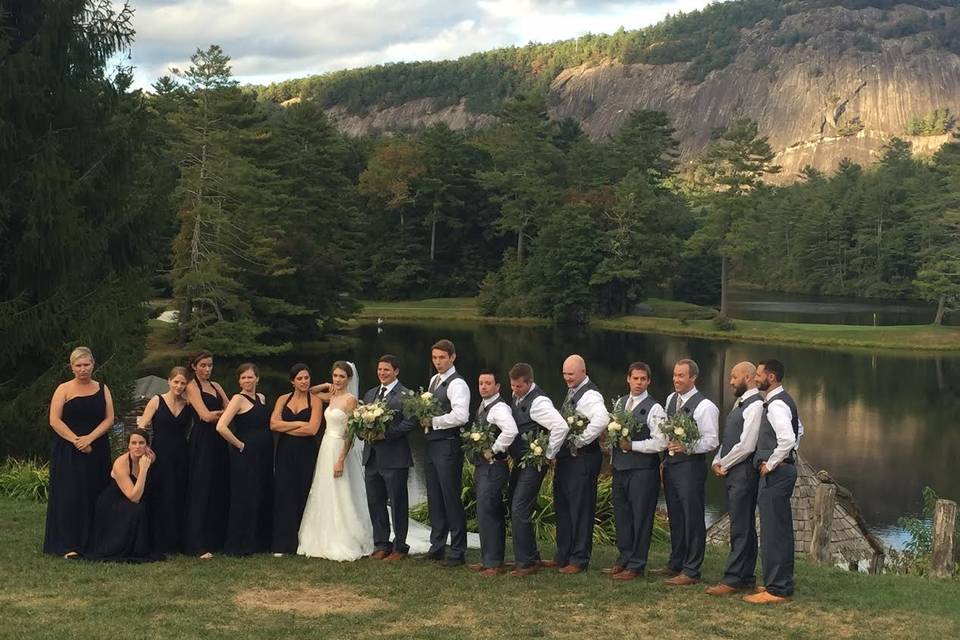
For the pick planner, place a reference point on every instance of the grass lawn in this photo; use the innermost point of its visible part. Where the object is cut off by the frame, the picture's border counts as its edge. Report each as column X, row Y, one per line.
column 292, row 597
column 682, row 319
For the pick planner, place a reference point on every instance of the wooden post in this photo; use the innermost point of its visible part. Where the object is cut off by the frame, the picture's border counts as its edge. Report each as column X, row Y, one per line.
column 942, row 564
column 823, row 503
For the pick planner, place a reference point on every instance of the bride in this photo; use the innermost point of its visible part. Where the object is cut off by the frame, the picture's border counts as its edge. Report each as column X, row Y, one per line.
column 335, row 524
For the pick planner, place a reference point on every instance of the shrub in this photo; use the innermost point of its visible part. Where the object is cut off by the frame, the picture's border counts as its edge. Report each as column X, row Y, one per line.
column 545, row 516
column 24, row 479
column 724, row 323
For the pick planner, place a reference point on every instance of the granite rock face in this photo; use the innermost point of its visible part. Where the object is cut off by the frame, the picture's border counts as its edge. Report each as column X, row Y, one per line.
column 843, row 91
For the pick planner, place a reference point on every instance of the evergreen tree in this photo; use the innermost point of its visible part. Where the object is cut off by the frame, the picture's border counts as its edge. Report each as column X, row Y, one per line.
column 226, row 206
column 732, row 169
column 74, row 195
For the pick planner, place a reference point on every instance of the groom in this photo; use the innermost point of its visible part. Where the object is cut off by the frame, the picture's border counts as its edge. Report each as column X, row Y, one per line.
column 386, row 466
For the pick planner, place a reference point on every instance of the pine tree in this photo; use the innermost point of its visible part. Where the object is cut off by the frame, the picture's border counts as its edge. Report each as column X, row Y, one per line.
column 731, row 171
column 75, row 226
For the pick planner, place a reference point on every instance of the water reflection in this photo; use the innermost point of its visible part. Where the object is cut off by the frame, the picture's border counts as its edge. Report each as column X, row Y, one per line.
column 884, row 425
column 774, row 306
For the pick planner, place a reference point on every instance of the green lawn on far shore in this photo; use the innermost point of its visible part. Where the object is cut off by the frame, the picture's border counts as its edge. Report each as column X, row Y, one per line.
column 294, row 597
column 682, row 319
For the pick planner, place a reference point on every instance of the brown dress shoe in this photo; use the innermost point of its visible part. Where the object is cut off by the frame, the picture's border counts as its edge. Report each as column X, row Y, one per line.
column 525, row 571
column 721, row 590
column 476, row 566
column 612, row 571
column 547, row 564
column 764, row 597
column 664, row 571
column 626, row 574
column 491, row 572
column 571, row 569
column 379, row 554
column 395, row 556
column 682, row 580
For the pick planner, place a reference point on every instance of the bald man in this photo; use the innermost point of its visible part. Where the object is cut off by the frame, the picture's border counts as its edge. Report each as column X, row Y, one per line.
column 734, row 463
column 577, row 470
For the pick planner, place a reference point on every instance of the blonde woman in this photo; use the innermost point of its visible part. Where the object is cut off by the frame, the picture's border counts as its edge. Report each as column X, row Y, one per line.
column 81, row 413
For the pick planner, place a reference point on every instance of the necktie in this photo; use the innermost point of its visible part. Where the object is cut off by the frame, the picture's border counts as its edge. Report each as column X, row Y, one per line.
column 630, row 404
column 738, row 403
column 383, row 392
column 677, row 405
column 433, row 384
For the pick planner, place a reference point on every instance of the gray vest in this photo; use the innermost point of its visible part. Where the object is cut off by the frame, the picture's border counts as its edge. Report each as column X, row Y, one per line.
column 525, row 424
column 482, row 421
column 767, row 440
column 569, row 407
column 688, row 408
column 733, row 428
column 625, row 461
column 440, row 393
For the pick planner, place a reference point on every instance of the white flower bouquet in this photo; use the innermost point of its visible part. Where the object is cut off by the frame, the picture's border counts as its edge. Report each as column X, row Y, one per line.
column 536, row 450
column 421, row 406
column 369, row 422
column 477, row 439
column 681, row 428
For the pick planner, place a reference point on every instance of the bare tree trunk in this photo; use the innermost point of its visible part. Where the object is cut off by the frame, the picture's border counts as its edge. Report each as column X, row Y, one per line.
column 433, row 240
column 520, row 244
column 941, row 308
column 723, row 286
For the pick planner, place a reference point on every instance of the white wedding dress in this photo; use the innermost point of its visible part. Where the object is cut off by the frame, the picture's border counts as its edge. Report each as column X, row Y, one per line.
column 336, row 523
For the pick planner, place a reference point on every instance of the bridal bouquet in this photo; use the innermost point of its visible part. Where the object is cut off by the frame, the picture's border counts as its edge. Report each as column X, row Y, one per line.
column 680, row 428
column 623, row 426
column 536, row 450
column 477, row 439
column 369, row 422
column 420, row 406
column 578, row 422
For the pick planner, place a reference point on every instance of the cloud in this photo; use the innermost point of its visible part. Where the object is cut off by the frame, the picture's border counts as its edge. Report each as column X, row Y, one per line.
column 273, row 40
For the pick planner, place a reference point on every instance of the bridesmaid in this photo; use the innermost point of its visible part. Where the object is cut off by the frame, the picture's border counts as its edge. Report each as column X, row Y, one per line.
column 208, row 483
column 169, row 417
column 121, row 532
column 296, row 417
column 81, row 413
column 251, row 466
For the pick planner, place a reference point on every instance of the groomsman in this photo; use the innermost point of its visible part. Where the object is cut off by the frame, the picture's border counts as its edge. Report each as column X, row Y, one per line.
column 444, row 459
column 492, row 473
column 734, row 463
column 532, row 411
column 578, row 467
column 386, row 465
column 636, row 475
column 684, row 475
column 780, row 431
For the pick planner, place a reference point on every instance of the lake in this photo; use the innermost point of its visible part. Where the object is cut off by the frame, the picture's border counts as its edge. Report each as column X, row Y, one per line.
column 883, row 424
column 749, row 304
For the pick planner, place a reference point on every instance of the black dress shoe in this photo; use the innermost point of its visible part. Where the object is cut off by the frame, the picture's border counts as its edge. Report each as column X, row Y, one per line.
column 453, row 562
column 433, row 555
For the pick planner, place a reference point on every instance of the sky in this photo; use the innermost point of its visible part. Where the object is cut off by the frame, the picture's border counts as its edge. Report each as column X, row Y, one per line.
column 272, row 40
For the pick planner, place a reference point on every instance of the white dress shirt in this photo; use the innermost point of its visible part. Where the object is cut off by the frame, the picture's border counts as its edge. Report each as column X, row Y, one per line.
column 387, row 392
column 780, row 418
column 748, row 437
column 656, row 442
column 707, row 416
column 459, row 395
column 592, row 406
column 502, row 416
column 546, row 415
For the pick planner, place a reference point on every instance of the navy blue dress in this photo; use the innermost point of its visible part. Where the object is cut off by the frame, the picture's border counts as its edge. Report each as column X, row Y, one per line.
column 76, row 478
column 208, row 483
column 293, row 468
column 121, row 531
column 251, row 483
column 168, row 477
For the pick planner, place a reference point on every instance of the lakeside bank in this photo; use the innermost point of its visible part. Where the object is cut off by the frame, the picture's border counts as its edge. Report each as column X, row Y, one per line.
column 688, row 320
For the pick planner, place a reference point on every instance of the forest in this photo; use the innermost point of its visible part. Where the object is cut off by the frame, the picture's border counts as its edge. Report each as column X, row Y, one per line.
column 266, row 226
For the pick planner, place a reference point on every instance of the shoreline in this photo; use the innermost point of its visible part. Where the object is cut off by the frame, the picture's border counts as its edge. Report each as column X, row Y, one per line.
column 684, row 322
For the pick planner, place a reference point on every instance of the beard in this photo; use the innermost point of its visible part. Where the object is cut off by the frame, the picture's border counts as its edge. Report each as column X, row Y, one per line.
column 763, row 385
column 740, row 389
